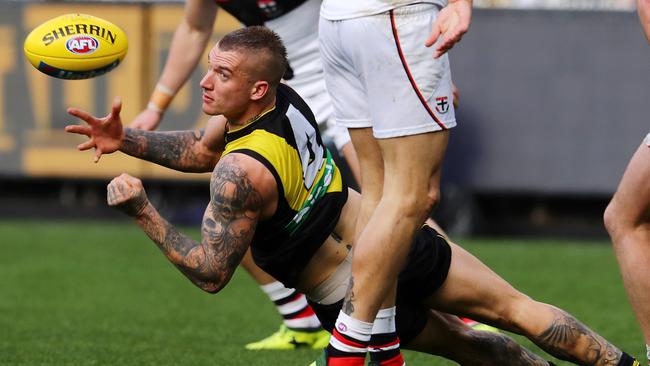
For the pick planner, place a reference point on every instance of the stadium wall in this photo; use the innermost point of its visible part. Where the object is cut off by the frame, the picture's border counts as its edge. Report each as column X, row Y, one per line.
column 551, row 101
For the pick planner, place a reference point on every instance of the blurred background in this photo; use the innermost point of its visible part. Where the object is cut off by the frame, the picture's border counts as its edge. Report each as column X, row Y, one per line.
column 554, row 99
column 552, row 104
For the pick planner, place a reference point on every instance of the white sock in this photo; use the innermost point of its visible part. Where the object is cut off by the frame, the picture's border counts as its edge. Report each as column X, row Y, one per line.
column 292, row 305
column 354, row 328
column 385, row 321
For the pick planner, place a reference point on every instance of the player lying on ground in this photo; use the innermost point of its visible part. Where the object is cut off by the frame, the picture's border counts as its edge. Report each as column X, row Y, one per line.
column 275, row 188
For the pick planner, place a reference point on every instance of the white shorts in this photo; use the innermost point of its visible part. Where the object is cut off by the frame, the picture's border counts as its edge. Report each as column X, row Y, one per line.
column 646, row 140
column 379, row 74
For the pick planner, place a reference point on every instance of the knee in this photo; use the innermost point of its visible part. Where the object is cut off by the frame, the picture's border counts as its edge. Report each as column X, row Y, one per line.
column 512, row 313
column 416, row 202
column 611, row 219
column 624, row 226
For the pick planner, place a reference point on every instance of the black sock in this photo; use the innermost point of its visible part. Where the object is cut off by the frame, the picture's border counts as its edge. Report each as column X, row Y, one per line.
column 627, row 360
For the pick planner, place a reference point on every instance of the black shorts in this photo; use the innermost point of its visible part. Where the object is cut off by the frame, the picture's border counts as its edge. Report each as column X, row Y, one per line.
column 424, row 273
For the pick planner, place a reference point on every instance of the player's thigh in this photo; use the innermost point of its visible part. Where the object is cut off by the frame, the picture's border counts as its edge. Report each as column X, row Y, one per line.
column 413, row 163
column 370, row 159
column 631, row 201
column 474, row 290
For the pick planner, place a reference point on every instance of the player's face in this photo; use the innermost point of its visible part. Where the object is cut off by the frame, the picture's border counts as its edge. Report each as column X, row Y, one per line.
column 227, row 85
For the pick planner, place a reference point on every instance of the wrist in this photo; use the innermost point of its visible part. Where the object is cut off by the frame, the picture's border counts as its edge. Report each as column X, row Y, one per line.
column 160, row 98
column 139, row 209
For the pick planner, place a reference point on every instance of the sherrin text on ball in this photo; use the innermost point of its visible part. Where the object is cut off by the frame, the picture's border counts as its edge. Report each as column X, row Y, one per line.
column 76, row 46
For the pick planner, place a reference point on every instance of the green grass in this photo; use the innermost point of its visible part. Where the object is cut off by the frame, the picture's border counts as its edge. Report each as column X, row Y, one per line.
column 89, row 293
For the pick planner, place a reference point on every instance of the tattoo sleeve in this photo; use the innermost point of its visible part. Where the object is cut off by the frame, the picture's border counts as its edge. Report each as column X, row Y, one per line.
column 179, row 150
column 228, row 226
column 568, row 339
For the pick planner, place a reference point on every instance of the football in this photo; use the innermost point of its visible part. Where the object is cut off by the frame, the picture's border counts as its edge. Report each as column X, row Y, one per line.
column 76, row 46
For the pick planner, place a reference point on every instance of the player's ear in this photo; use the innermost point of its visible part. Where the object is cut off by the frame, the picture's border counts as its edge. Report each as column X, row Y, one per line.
column 259, row 89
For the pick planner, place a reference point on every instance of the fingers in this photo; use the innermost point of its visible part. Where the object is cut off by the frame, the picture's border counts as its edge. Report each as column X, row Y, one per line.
column 122, row 189
column 83, row 115
column 81, row 130
column 86, row 145
column 111, row 196
column 98, row 154
column 117, row 106
column 435, row 33
column 116, row 191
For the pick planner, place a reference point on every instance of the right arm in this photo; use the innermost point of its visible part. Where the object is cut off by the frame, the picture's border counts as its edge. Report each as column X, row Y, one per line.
column 187, row 46
column 188, row 151
column 643, row 7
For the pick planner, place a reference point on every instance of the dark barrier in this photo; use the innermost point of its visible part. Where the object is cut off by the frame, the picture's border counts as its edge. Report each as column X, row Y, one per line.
column 551, row 101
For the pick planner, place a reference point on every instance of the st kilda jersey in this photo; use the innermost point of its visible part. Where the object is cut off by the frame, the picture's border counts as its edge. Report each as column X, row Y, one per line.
column 257, row 12
column 311, row 192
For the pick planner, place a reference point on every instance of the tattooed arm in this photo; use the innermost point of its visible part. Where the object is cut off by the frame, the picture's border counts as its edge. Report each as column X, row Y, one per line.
column 228, row 226
column 188, row 151
column 185, row 151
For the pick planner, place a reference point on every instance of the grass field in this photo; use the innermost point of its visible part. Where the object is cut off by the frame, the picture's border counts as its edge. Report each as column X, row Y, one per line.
column 90, row 293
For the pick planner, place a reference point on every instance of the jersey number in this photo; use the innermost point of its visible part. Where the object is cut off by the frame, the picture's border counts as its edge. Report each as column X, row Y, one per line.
column 310, row 151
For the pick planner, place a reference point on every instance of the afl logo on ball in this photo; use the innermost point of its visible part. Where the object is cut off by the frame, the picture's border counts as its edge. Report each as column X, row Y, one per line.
column 82, row 45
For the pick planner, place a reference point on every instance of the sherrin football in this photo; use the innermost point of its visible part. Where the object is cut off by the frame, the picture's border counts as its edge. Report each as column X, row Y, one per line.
column 76, row 46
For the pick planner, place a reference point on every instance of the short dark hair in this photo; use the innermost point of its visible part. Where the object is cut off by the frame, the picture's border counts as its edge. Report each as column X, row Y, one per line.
column 256, row 39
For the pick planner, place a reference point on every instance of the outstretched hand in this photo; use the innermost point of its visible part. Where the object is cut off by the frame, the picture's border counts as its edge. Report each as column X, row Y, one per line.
column 127, row 194
column 105, row 134
column 453, row 21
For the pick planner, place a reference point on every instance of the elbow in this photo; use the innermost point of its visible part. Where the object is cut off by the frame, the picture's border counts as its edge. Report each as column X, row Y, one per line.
column 214, row 284
column 211, row 288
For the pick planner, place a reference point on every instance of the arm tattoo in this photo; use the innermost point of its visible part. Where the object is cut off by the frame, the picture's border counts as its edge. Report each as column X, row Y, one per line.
column 499, row 349
column 228, row 227
column 230, row 224
column 170, row 149
column 568, row 339
column 348, row 303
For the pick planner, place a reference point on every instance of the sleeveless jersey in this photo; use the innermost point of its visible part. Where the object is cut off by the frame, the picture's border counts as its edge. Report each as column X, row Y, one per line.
column 311, row 192
column 257, row 12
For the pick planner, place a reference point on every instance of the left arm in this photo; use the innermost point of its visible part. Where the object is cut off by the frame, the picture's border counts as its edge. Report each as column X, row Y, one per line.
column 227, row 230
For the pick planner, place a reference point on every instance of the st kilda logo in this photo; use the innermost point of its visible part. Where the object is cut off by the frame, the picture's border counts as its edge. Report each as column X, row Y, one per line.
column 442, row 104
column 82, row 45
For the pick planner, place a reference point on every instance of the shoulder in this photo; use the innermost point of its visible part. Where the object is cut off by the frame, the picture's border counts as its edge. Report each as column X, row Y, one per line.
column 245, row 179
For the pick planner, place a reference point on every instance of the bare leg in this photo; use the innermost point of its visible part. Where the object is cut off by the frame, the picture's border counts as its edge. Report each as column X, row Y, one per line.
column 473, row 290
column 410, row 189
column 627, row 219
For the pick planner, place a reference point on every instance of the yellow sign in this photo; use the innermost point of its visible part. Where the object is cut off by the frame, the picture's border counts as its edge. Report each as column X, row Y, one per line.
column 32, row 110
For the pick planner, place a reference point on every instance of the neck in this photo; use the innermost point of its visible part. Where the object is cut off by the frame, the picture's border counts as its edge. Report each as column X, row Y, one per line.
column 253, row 113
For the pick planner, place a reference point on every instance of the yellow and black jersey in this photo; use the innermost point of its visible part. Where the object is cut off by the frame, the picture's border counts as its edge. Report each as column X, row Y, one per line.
column 311, row 192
